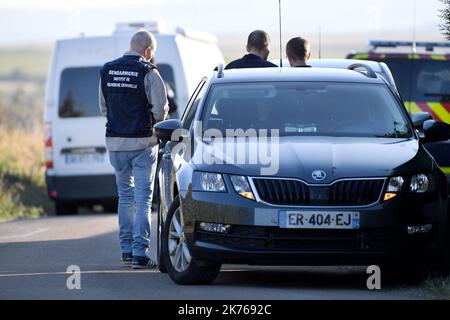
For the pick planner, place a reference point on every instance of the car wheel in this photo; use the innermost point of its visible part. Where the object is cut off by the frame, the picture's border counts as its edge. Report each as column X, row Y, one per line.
column 64, row 208
column 161, row 265
column 181, row 266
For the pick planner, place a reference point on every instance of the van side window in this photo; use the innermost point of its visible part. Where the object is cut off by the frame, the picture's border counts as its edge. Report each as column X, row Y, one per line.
column 166, row 72
column 191, row 109
column 78, row 92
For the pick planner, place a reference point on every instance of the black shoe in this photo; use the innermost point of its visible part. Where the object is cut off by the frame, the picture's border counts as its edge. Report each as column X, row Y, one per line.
column 127, row 258
column 143, row 263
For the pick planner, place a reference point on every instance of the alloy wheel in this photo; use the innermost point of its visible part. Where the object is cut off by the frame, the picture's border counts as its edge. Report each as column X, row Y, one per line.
column 180, row 256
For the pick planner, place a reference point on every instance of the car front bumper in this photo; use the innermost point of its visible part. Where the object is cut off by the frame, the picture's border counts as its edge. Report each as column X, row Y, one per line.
column 256, row 238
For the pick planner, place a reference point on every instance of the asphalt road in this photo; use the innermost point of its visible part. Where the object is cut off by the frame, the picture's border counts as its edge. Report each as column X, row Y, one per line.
column 35, row 254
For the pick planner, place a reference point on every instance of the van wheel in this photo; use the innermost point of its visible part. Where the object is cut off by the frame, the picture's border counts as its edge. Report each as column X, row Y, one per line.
column 64, row 208
column 182, row 267
column 110, row 207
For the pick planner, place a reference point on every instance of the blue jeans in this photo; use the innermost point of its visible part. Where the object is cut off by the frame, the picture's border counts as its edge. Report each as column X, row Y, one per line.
column 135, row 172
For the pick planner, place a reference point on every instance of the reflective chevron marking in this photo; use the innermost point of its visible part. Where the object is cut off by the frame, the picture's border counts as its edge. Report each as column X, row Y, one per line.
column 415, row 56
column 439, row 111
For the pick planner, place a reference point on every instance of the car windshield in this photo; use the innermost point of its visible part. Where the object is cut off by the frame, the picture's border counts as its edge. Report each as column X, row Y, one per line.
column 307, row 109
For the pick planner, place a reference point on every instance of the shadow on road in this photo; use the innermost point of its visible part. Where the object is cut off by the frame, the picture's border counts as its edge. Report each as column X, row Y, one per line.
column 36, row 270
column 295, row 277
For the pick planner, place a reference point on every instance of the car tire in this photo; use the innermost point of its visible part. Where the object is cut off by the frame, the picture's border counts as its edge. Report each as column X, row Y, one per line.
column 194, row 272
column 160, row 261
column 65, row 208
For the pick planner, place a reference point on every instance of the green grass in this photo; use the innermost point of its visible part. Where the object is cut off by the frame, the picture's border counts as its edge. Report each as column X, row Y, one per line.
column 22, row 184
column 437, row 287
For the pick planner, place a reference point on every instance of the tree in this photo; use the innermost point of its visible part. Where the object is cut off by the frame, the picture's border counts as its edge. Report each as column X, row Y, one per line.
column 445, row 15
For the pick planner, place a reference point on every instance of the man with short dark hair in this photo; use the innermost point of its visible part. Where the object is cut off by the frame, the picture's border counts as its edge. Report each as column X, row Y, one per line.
column 258, row 48
column 298, row 52
column 133, row 98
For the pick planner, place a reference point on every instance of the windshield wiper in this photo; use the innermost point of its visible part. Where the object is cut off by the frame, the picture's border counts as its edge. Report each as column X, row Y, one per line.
column 396, row 135
column 387, row 135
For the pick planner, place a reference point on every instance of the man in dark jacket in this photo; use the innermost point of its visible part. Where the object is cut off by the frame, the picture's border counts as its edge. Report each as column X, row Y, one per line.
column 258, row 48
column 298, row 52
column 133, row 98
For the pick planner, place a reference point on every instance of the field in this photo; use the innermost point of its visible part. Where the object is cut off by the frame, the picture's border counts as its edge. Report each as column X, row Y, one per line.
column 25, row 61
column 22, row 85
column 22, row 185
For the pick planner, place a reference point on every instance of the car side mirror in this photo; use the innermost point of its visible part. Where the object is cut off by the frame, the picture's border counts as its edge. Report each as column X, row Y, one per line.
column 435, row 131
column 164, row 130
column 418, row 119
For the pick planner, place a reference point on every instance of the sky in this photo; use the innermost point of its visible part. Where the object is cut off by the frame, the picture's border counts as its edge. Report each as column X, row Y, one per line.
column 44, row 21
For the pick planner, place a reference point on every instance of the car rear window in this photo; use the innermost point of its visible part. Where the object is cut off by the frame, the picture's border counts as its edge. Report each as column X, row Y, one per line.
column 310, row 109
column 78, row 92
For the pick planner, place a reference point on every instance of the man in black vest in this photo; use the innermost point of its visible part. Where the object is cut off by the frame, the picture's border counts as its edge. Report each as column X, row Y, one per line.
column 133, row 98
column 258, row 48
column 298, row 52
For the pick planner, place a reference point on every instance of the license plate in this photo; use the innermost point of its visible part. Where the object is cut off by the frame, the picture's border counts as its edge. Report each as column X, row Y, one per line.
column 92, row 158
column 318, row 220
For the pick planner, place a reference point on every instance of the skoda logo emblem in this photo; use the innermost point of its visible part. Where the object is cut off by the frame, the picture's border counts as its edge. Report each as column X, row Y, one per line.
column 319, row 175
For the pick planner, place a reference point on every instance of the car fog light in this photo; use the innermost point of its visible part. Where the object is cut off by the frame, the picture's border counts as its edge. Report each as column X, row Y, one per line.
column 419, row 183
column 215, row 227
column 420, row 229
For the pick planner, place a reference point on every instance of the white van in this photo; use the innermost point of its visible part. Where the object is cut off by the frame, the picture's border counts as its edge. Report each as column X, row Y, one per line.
column 78, row 169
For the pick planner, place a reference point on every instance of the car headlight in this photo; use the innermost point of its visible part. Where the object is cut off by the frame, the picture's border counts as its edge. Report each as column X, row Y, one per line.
column 420, row 183
column 242, row 187
column 208, row 182
column 395, row 185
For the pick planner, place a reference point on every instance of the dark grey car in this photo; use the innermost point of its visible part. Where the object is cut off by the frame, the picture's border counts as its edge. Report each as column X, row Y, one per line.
column 299, row 167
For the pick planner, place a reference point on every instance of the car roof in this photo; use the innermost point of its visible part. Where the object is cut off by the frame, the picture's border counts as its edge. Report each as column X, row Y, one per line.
column 342, row 64
column 333, row 63
column 294, row 74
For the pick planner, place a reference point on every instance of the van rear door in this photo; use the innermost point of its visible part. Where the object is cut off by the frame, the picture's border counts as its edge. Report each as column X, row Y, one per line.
column 78, row 128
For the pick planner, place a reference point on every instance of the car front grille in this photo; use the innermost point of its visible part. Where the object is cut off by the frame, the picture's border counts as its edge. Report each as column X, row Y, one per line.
column 273, row 238
column 296, row 193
